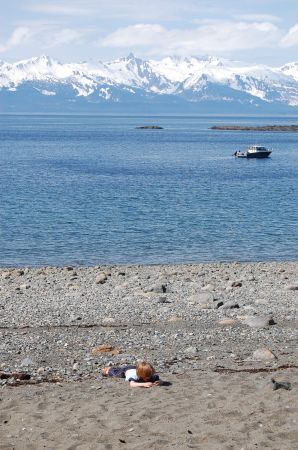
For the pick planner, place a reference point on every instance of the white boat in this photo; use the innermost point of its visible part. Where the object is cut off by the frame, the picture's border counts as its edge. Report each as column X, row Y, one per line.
column 254, row 151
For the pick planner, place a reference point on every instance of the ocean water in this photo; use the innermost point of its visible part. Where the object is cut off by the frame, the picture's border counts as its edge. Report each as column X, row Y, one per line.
column 96, row 190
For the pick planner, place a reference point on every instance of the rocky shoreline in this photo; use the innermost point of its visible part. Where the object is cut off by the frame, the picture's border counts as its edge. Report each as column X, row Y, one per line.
column 66, row 323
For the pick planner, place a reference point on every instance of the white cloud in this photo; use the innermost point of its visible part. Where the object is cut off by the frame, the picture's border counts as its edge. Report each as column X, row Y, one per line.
column 213, row 37
column 138, row 35
column 119, row 9
column 46, row 35
column 18, row 36
column 62, row 37
column 258, row 17
column 291, row 38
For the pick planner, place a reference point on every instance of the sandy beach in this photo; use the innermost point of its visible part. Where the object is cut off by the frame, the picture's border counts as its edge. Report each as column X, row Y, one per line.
column 217, row 333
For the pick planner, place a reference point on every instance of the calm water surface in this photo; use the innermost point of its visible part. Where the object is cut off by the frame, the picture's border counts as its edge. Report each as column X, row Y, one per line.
column 92, row 190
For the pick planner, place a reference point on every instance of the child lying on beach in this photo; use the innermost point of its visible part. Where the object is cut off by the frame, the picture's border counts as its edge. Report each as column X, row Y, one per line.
column 142, row 375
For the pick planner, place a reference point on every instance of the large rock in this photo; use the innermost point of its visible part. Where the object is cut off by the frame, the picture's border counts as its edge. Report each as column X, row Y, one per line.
column 19, row 272
column 108, row 321
column 6, row 275
column 231, row 304
column 227, row 322
column 101, row 278
column 263, row 354
column 191, row 350
column 203, row 300
column 26, row 362
column 159, row 288
column 208, row 287
column 292, row 287
column 259, row 321
column 236, row 283
column 233, row 284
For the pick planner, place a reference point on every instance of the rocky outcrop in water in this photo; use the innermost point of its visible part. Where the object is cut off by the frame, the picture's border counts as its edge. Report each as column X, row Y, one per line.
column 285, row 128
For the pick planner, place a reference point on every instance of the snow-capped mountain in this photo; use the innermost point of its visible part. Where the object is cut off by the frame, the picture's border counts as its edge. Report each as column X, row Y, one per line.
column 173, row 84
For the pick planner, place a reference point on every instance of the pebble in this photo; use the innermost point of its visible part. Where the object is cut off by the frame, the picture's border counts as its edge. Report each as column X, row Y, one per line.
column 235, row 284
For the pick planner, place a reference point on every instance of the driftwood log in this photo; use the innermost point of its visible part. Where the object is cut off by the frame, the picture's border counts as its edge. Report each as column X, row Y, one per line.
column 15, row 375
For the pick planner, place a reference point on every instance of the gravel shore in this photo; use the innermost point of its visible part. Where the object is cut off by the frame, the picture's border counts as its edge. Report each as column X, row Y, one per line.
column 218, row 333
column 69, row 322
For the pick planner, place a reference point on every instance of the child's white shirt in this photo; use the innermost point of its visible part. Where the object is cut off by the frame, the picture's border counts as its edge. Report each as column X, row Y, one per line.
column 131, row 375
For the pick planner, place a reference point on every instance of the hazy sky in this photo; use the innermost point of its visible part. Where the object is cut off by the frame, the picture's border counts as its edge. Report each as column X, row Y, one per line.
column 75, row 30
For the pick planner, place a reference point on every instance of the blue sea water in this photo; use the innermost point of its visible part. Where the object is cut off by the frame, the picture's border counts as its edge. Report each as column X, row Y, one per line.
column 96, row 190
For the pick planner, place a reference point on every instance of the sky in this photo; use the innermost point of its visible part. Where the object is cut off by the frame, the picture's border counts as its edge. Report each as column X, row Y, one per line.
column 260, row 31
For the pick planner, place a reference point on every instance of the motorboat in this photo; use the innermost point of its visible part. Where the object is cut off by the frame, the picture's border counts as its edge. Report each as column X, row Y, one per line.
column 254, row 151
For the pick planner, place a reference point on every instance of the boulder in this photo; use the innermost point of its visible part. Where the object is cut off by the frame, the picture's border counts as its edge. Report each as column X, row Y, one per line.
column 259, row 321
column 203, row 300
column 19, row 272
column 227, row 322
column 208, row 287
column 231, row 304
column 27, row 362
column 191, row 350
column 6, row 275
column 108, row 321
column 263, row 354
column 159, row 288
column 101, row 278
column 292, row 287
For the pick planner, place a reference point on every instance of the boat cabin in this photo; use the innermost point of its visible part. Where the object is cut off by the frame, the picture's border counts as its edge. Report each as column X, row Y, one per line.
column 257, row 148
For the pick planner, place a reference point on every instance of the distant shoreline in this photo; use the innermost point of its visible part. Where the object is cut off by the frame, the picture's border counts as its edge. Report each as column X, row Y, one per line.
column 291, row 128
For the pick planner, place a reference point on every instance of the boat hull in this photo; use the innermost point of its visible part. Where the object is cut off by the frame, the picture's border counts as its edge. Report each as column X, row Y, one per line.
column 258, row 155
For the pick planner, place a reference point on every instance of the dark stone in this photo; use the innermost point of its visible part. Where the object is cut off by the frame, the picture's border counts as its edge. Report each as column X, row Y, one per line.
column 281, row 385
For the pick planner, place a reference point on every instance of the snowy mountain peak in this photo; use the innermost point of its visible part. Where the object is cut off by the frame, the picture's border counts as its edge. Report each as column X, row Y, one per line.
column 44, row 59
column 36, row 61
column 189, row 79
column 131, row 56
column 291, row 69
column 214, row 61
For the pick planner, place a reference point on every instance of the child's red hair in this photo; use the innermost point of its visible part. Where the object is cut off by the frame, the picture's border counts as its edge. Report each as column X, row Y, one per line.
column 145, row 370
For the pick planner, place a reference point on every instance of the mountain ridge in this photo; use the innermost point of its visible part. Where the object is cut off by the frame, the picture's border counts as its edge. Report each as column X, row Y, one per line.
column 189, row 84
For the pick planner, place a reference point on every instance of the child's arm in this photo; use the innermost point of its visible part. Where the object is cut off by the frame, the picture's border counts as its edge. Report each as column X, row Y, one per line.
column 142, row 385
